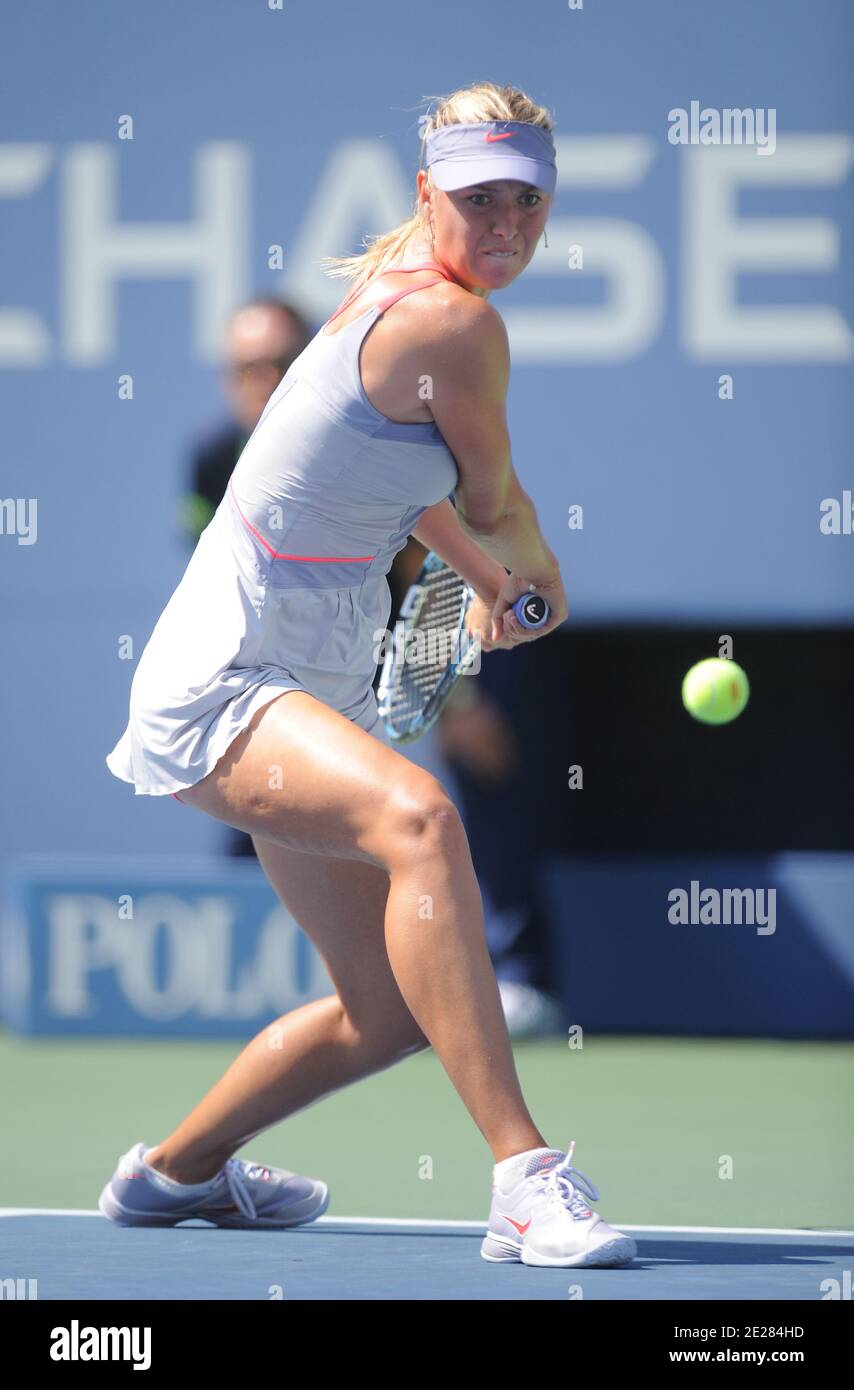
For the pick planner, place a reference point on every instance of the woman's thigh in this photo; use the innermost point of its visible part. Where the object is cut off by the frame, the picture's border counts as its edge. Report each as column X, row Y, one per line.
column 303, row 776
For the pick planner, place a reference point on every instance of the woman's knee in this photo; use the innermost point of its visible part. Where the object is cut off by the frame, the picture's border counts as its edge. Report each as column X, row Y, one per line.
column 391, row 1047
column 419, row 819
column 383, row 1031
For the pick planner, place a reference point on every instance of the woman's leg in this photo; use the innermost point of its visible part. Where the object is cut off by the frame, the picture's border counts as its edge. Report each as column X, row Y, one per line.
column 322, row 1046
column 303, row 777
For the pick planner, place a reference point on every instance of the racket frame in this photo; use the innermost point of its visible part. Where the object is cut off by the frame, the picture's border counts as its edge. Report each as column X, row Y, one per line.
column 410, row 609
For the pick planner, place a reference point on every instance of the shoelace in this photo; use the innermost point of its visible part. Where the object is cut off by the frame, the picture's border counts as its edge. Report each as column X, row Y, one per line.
column 236, row 1173
column 569, row 1187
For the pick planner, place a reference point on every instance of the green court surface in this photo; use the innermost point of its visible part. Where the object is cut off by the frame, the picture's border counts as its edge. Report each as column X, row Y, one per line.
column 655, row 1121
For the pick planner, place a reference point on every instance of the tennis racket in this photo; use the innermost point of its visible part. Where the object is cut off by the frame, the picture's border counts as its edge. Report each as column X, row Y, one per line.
column 431, row 648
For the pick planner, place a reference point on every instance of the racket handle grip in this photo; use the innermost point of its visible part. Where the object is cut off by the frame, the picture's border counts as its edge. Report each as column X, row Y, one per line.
column 532, row 610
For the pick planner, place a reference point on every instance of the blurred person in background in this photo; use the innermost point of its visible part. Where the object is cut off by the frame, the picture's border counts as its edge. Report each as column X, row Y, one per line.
column 473, row 750
column 263, row 338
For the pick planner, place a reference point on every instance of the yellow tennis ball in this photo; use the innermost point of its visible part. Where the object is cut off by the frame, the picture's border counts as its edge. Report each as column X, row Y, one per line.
column 715, row 691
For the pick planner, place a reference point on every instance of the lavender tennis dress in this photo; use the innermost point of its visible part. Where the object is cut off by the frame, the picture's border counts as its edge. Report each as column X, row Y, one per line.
column 287, row 588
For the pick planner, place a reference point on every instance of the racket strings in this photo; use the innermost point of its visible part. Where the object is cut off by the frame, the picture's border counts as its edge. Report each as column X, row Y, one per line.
column 433, row 642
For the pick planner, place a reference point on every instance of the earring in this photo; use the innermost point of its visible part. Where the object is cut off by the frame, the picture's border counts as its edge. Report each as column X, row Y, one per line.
column 546, row 236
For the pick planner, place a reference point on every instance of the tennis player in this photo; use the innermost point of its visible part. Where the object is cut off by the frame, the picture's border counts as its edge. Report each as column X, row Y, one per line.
column 253, row 700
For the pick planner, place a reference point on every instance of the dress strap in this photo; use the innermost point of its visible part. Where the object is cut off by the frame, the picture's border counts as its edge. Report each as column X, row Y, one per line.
column 393, row 298
column 412, row 289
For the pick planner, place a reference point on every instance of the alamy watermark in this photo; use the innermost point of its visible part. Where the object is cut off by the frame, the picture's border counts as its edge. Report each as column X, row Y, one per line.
column 696, row 906
column 726, row 126
column 19, row 1288
column 837, row 515
column 19, row 517
column 76, row 1343
column 430, row 647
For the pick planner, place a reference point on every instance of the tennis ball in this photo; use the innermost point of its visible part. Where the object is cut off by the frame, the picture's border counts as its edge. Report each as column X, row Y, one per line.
column 715, row 691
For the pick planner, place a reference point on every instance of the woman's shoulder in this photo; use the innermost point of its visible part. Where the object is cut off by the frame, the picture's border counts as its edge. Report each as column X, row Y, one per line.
column 445, row 307
column 464, row 331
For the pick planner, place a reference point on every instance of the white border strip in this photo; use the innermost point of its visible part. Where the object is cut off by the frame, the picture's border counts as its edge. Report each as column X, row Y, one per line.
column 432, row 1223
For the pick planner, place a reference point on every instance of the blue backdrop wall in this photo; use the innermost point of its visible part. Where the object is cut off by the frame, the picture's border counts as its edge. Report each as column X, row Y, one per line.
column 297, row 127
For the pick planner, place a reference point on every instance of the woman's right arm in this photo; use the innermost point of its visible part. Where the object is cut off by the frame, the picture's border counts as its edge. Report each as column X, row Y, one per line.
column 471, row 369
column 514, row 538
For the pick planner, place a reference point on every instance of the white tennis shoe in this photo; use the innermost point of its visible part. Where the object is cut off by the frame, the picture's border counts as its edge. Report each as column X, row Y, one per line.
column 243, row 1195
column 539, row 1216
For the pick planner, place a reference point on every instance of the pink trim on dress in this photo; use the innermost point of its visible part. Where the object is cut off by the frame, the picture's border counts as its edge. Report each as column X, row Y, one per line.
column 282, row 555
column 392, row 270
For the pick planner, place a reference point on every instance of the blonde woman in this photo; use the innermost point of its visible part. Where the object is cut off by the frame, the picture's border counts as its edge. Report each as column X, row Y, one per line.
column 253, row 700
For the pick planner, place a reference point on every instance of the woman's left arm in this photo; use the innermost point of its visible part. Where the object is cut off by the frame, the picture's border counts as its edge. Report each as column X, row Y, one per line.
column 439, row 529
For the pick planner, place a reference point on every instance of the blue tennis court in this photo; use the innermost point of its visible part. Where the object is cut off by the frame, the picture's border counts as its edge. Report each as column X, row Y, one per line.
column 80, row 1255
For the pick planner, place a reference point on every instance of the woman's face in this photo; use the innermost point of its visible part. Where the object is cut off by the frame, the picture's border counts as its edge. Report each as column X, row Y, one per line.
column 474, row 226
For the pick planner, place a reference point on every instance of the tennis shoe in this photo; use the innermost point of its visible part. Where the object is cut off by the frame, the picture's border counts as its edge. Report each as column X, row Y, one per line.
column 540, row 1216
column 243, row 1194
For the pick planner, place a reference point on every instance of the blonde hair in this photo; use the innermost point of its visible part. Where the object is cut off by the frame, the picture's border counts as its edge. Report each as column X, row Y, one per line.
column 482, row 101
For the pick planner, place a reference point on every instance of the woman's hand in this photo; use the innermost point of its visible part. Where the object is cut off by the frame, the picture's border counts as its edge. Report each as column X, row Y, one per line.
column 479, row 620
column 505, row 624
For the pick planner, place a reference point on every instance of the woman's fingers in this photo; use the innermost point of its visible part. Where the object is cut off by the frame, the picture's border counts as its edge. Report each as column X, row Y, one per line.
column 479, row 618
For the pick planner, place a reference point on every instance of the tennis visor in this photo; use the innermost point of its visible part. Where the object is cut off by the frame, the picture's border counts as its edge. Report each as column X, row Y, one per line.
column 460, row 155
